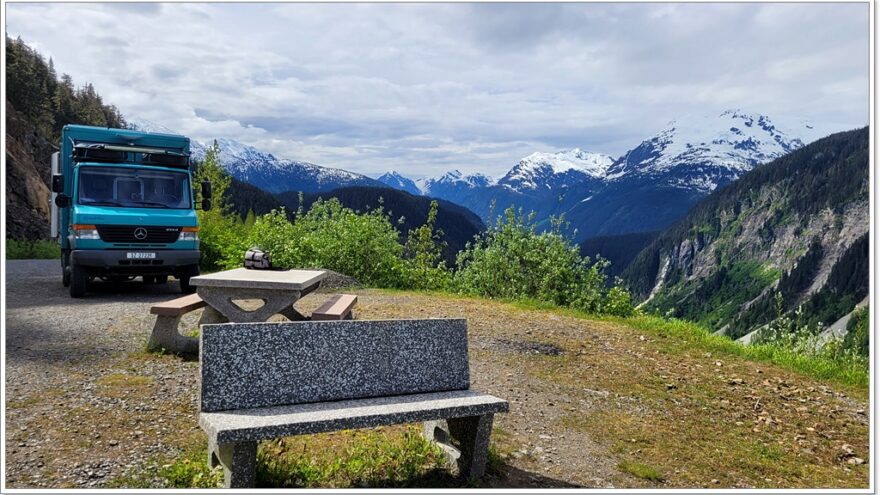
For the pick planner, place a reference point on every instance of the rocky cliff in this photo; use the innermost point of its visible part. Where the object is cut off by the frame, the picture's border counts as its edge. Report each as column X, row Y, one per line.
column 28, row 159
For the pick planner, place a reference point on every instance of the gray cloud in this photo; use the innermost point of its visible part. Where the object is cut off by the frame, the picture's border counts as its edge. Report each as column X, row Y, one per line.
column 425, row 87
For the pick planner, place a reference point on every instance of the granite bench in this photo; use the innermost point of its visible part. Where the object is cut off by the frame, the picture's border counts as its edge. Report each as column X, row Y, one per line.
column 260, row 381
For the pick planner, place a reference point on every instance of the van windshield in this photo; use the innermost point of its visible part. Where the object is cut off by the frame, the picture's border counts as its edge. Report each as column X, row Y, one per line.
column 133, row 188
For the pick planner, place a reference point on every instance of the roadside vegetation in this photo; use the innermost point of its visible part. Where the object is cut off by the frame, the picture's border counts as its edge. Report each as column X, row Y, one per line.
column 511, row 260
column 32, row 250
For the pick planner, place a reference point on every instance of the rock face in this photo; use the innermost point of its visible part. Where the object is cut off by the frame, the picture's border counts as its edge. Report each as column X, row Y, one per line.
column 28, row 170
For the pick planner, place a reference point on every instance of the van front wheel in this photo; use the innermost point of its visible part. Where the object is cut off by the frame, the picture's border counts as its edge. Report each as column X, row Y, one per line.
column 79, row 281
column 185, row 274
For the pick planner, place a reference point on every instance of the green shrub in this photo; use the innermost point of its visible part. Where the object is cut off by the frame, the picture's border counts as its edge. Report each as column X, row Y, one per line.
column 858, row 332
column 32, row 250
column 423, row 252
column 511, row 260
column 362, row 245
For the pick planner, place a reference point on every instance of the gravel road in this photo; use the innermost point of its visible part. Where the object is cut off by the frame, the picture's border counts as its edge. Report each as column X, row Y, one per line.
column 59, row 351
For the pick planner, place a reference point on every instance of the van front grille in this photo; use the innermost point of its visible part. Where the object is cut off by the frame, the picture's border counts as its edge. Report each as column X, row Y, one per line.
column 136, row 234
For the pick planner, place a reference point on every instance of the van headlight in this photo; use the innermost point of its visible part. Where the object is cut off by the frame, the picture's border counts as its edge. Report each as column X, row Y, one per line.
column 189, row 234
column 85, row 232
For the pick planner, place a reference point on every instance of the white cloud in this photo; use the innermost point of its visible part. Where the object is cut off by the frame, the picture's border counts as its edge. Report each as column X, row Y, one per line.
column 421, row 88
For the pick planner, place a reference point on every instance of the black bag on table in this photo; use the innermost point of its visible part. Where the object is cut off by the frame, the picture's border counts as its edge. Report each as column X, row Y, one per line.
column 257, row 259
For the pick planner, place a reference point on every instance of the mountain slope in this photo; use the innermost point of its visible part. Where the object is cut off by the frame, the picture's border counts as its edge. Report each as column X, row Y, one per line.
column 783, row 226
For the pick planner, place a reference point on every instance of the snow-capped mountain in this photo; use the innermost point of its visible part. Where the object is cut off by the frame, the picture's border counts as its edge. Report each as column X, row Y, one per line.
column 453, row 180
column 647, row 188
column 705, row 152
column 265, row 170
column 552, row 170
column 394, row 180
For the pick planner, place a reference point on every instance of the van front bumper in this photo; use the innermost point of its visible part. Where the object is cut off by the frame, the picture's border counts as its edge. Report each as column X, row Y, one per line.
column 117, row 261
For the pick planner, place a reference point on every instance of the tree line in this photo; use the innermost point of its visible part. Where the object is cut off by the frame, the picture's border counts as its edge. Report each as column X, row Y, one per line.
column 48, row 101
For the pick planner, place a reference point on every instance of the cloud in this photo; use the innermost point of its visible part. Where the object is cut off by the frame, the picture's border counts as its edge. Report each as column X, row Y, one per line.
column 421, row 88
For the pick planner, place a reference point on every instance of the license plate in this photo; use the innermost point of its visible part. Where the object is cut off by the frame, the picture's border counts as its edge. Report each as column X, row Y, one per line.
column 140, row 256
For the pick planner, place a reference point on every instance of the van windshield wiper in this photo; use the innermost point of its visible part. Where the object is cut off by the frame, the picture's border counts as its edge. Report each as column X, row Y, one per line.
column 151, row 203
column 103, row 203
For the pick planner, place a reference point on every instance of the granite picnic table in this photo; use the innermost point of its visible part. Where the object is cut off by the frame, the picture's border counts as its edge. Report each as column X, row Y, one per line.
column 278, row 289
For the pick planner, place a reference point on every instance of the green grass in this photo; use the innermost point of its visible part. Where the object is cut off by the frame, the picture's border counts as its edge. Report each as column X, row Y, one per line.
column 839, row 371
column 26, row 250
column 640, row 470
column 384, row 457
column 848, row 373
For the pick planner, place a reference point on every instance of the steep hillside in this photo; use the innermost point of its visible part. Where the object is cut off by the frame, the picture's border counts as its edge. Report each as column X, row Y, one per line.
column 620, row 250
column 791, row 225
column 459, row 225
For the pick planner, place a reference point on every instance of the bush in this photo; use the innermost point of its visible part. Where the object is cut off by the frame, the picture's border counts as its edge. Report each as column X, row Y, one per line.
column 858, row 332
column 362, row 245
column 424, row 255
column 511, row 260
column 32, row 250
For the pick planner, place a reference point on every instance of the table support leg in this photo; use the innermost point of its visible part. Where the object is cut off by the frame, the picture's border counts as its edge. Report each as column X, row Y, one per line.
column 220, row 298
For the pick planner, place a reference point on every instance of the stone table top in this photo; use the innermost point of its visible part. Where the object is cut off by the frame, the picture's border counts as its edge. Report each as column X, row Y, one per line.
column 242, row 278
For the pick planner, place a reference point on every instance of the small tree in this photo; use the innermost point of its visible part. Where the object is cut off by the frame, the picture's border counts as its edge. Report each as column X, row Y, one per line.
column 424, row 253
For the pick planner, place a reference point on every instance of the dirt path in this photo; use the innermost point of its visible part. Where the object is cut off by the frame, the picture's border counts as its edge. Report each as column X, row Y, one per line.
column 593, row 404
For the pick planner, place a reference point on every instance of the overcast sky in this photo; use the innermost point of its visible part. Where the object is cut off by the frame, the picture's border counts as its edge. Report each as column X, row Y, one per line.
column 423, row 88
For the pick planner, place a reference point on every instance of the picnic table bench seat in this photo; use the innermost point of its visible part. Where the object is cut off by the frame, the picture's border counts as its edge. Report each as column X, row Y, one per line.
column 261, row 381
column 338, row 307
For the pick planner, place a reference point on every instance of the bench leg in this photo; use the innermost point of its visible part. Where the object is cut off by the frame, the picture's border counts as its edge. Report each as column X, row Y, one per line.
column 465, row 442
column 166, row 336
column 239, row 461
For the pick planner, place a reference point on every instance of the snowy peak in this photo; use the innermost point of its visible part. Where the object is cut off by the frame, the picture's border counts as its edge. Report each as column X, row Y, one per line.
column 265, row 170
column 547, row 170
column 395, row 180
column 701, row 152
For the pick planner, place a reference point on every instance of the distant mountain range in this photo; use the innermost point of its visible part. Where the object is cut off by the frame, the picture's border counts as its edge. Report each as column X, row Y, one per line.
column 644, row 190
column 265, row 170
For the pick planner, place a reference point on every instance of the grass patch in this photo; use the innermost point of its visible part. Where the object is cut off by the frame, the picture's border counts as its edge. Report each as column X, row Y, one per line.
column 358, row 458
column 393, row 457
column 684, row 335
column 842, row 372
column 122, row 380
column 31, row 250
column 640, row 470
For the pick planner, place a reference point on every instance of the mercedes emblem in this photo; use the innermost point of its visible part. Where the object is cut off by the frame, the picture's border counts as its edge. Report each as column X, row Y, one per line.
column 140, row 233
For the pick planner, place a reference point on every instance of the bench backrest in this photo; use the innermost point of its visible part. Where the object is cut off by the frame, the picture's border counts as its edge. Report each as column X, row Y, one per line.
column 248, row 365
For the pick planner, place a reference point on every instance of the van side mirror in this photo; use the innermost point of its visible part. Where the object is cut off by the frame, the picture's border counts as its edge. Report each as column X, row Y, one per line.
column 57, row 183
column 206, row 204
column 206, row 189
column 62, row 201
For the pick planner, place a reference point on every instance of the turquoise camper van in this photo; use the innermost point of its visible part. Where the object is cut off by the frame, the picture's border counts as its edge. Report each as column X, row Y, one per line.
column 123, row 206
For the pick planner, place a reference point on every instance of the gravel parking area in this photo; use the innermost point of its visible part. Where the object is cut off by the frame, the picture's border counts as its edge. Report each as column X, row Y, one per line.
column 65, row 360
